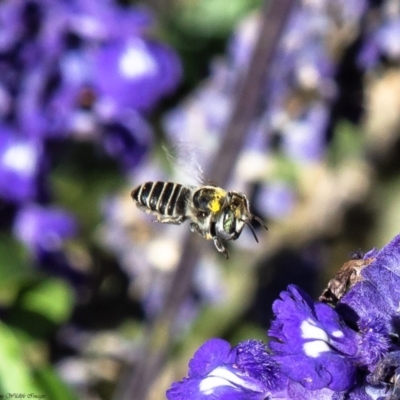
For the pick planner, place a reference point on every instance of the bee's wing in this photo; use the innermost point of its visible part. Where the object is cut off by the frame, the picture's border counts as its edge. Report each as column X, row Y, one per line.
column 189, row 161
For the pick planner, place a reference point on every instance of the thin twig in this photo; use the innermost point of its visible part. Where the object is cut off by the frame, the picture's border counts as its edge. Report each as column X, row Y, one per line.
column 137, row 381
column 251, row 90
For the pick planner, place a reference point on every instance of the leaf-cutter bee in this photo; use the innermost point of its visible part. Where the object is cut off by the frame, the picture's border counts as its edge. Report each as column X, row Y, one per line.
column 214, row 213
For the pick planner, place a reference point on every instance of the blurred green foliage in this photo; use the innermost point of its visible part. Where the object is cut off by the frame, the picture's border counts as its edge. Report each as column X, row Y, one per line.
column 15, row 268
column 20, row 372
column 347, row 143
column 51, row 298
column 80, row 181
column 213, row 18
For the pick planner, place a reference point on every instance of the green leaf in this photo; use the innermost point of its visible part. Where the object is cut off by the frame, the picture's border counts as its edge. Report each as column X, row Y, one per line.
column 18, row 378
column 15, row 269
column 51, row 384
column 14, row 261
column 51, row 298
column 214, row 17
column 15, row 375
column 347, row 143
column 284, row 169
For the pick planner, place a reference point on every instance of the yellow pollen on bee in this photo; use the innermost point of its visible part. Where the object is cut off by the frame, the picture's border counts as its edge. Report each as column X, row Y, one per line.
column 215, row 205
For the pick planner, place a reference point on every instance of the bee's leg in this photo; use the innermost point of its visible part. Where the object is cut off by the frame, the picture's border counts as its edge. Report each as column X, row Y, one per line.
column 220, row 247
column 166, row 219
column 196, row 228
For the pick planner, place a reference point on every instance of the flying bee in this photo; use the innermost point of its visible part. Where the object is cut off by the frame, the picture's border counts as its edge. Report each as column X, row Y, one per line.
column 214, row 213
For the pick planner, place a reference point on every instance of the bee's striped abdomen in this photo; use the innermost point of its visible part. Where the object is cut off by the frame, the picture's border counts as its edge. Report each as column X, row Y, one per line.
column 165, row 198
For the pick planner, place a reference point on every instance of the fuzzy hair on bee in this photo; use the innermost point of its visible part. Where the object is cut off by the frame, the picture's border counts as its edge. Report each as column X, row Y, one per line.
column 214, row 213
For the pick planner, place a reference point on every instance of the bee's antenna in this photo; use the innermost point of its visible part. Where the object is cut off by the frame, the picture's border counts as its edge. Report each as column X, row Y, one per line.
column 260, row 221
column 252, row 229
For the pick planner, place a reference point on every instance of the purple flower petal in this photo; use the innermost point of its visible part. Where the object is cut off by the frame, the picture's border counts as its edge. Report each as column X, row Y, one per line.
column 139, row 72
column 373, row 303
column 313, row 343
column 276, row 199
column 44, row 227
column 20, row 165
column 297, row 391
column 210, row 355
column 218, row 371
column 127, row 137
column 378, row 295
column 106, row 20
column 304, row 139
column 374, row 342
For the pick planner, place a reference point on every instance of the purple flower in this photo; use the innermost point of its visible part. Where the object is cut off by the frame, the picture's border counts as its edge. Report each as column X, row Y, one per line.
column 36, row 116
column 317, row 352
column 217, row 371
column 105, row 40
column 373, row 303
column 22, row 23
column 374, row 341
column 297, row 391
column 377, row 296
column 276, row 200
column 383, row 42
column 55, row 56
column 44, row 228
column 303, row 139
column 127, row 137
column 21, row 162
column 139, row 72
column 105, row 20
column 313, row 345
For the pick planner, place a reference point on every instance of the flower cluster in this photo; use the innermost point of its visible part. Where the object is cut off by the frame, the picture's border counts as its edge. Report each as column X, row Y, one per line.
column 77, row 70
column 317, row 351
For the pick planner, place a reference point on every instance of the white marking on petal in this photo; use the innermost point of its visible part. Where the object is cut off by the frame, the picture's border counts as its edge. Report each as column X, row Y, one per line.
column 137, row 61
column 20, row 158
column 228, row 375
column 210, row 383
column 88, row 26
column 310, row 331
column 338, row 334
column 315, row 348
column 221, row 376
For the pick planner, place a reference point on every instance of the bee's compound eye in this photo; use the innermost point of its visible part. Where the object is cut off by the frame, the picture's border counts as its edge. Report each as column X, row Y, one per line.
column 229, row 221
column 226, row 225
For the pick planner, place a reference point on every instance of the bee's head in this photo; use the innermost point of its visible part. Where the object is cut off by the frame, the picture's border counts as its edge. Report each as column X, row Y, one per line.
column 234, row 216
